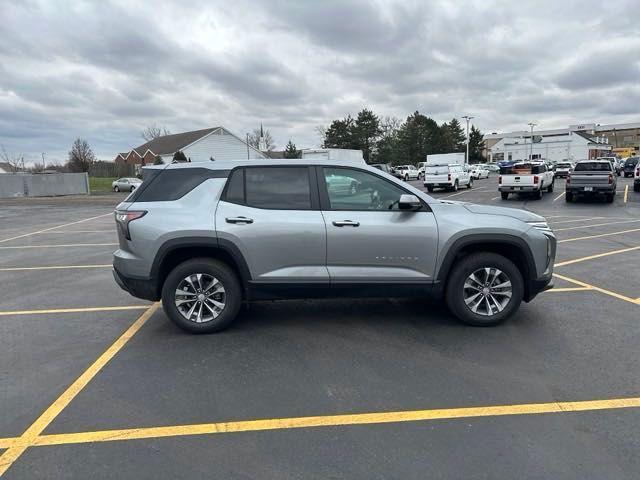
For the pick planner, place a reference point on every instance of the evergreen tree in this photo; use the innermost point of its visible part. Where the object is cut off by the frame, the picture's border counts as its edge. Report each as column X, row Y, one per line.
column 340, row 134
column 457, row 136
column 476, row 145
column 179, row 157
column 418, row 137
column 365, row 131
column 291, row 151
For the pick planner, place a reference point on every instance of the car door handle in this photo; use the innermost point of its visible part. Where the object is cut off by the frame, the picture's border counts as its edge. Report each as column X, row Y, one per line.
column 346, row 223
column 239, row 220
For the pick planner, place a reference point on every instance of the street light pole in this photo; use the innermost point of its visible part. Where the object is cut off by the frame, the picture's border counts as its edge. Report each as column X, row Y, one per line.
column 466, row 158
column 531, row 124
column 247, row 146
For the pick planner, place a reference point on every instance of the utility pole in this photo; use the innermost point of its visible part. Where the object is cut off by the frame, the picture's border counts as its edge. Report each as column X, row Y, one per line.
column 531, row 124
column 44, row 165
column 466, row 158
column 247, row 146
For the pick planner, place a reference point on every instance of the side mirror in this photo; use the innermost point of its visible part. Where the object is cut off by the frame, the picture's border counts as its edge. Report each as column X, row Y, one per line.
column 409, row 202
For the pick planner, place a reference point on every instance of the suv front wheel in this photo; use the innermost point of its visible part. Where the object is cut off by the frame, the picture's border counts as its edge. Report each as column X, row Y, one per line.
column 202, row 295
column 484, row 289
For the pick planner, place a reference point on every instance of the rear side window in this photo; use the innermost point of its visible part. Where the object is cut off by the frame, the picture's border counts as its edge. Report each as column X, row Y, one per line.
column 279, row 188
column 172, row 184
column 235, row 187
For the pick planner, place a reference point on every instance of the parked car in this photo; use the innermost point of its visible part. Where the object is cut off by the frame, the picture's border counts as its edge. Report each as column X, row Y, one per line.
column 421, row 167
column 342, row 185
column 636, row 179
column 525, row 177
column 206, row 238
column 447, row 176
column 592, row 177
column 479, row 171
column 385, row 167
column 617, row 166
column 629, row 166
column 563, row 169
column 406, row 172
column 492, row 167
column 128, row 184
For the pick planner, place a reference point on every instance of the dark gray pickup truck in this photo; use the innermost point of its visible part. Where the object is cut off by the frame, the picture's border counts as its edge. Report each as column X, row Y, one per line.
column 591, row 177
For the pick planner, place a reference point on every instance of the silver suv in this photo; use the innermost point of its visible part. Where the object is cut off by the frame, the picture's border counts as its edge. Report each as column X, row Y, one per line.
column 207, row 237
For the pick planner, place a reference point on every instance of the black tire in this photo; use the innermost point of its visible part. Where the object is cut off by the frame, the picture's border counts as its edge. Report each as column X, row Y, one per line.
column 636, row 187
column 465, row 267
column 215, row 268
column 132, row 188
column 610, row 197
column 116, row 188
column 504, row 195
column 455, row 186
column 538, row 194
column 568, row 197
column 550, row 189
column 406, row 178
column 429, row 189
column 470, row 184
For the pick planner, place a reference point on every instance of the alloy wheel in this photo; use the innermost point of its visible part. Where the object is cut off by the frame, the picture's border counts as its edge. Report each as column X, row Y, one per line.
column 200, row 297
column 487, row 291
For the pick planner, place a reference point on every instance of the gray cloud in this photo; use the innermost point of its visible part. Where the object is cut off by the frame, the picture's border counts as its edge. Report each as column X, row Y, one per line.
column 105, row 70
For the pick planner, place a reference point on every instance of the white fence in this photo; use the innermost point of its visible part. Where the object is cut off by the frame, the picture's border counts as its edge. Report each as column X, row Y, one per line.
column 43, row 185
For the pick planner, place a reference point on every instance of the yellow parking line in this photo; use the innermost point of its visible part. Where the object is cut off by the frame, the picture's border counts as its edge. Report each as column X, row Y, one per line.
column 596, row 225
column 17, row 247
column 601, row 290
column 85, row 231
column 568, row 289
column 598, row 236
column 626, row 192
column 53, row 228
column 377, row 418
column 559, row 196
column 32, row 433
column 72, row 310
column 599, row 255
column 53, row 267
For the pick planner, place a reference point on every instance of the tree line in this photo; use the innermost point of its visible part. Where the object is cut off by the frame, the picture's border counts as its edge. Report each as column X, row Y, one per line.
column 391, row 140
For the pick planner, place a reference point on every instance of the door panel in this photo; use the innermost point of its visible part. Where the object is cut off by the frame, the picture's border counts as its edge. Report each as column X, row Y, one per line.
column 278, row 245
column 369, row 240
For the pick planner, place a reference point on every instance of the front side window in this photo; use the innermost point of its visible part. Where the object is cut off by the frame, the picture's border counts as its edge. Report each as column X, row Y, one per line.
column 281, row 188
column 350, row 189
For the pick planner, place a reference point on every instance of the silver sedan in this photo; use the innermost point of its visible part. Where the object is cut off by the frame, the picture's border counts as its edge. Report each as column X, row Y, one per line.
column 125, row 184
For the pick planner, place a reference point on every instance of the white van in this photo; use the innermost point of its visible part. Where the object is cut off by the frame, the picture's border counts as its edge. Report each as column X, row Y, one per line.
column 449, row 176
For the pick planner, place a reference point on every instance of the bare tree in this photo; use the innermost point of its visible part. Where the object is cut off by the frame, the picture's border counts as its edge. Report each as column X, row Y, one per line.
column 154, row 131
column 14, row 160
column 81, row 157
column 37, row 167
column 321, row 131
column 254, row 139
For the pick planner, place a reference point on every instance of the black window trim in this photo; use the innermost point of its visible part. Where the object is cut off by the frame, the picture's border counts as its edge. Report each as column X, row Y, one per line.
column 325, row 203
column 313, row 187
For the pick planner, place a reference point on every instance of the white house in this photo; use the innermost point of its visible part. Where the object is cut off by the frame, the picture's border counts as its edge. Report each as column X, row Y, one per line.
column 570, row 145
column 215, row 143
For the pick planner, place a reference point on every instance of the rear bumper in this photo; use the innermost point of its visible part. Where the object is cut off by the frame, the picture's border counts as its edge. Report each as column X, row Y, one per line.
column 517, row 189
column 596, row 189
column 140, row 288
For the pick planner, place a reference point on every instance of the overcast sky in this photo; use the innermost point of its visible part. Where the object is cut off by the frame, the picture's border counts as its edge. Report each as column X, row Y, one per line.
column 104, row 70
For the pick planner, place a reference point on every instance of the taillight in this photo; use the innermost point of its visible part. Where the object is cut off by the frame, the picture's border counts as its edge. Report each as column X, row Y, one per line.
column 536, row 179
column 449, row 177
column 568, row 179
column 610, row 179
column 125, row 217
column 499, row 179
column 638, row 172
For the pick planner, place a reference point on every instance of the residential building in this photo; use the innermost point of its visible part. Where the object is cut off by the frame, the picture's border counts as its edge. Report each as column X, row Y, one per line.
column 215, row 143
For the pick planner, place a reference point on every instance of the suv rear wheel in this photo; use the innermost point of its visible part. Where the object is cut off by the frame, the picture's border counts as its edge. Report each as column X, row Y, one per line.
column 202, row 295
column 484, row 289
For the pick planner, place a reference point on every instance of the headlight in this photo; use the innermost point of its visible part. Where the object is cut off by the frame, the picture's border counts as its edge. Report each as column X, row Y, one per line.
column 542, row 226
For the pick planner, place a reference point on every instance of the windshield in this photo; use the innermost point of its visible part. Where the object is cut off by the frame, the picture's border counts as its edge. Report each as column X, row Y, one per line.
column 631, row 162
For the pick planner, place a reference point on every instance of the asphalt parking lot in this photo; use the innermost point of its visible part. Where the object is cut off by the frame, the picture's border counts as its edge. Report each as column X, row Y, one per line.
column 97, row 384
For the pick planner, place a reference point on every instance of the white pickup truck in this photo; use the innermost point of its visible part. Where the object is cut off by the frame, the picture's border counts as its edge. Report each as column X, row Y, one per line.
column 525, row 177
column 447, row 176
